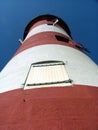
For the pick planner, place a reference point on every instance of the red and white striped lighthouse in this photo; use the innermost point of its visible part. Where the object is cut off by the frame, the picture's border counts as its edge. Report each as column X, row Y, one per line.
column 49, row 84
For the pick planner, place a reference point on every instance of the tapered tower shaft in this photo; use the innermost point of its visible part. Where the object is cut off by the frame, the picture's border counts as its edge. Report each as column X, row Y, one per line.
column 50, row 83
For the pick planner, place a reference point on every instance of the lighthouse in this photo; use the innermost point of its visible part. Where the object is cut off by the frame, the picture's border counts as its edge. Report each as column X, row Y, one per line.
column 50, row 83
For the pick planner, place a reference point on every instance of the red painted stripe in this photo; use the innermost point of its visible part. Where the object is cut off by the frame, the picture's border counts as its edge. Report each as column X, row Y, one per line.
column 44, row 38
column 75, row 90
column 58, row 108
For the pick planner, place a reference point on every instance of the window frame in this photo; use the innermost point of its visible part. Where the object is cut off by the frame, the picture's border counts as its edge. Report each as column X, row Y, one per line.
column 43, row 64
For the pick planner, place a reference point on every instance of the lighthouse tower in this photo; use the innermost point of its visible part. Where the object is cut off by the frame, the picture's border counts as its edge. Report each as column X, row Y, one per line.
column 50, row 83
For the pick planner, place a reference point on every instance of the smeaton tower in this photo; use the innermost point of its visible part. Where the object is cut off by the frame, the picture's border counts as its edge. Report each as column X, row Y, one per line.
column 50, row 83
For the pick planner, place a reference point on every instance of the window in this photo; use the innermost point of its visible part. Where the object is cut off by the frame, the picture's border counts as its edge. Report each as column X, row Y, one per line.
column 45, row 74
column 81, row 47
column 60, row 38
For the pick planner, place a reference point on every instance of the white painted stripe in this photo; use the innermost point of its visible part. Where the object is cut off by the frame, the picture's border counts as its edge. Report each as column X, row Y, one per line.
column 81, row 69
column 46, row 28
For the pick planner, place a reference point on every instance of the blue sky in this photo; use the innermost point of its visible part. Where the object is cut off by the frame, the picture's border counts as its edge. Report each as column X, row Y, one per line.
column 80, row 15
